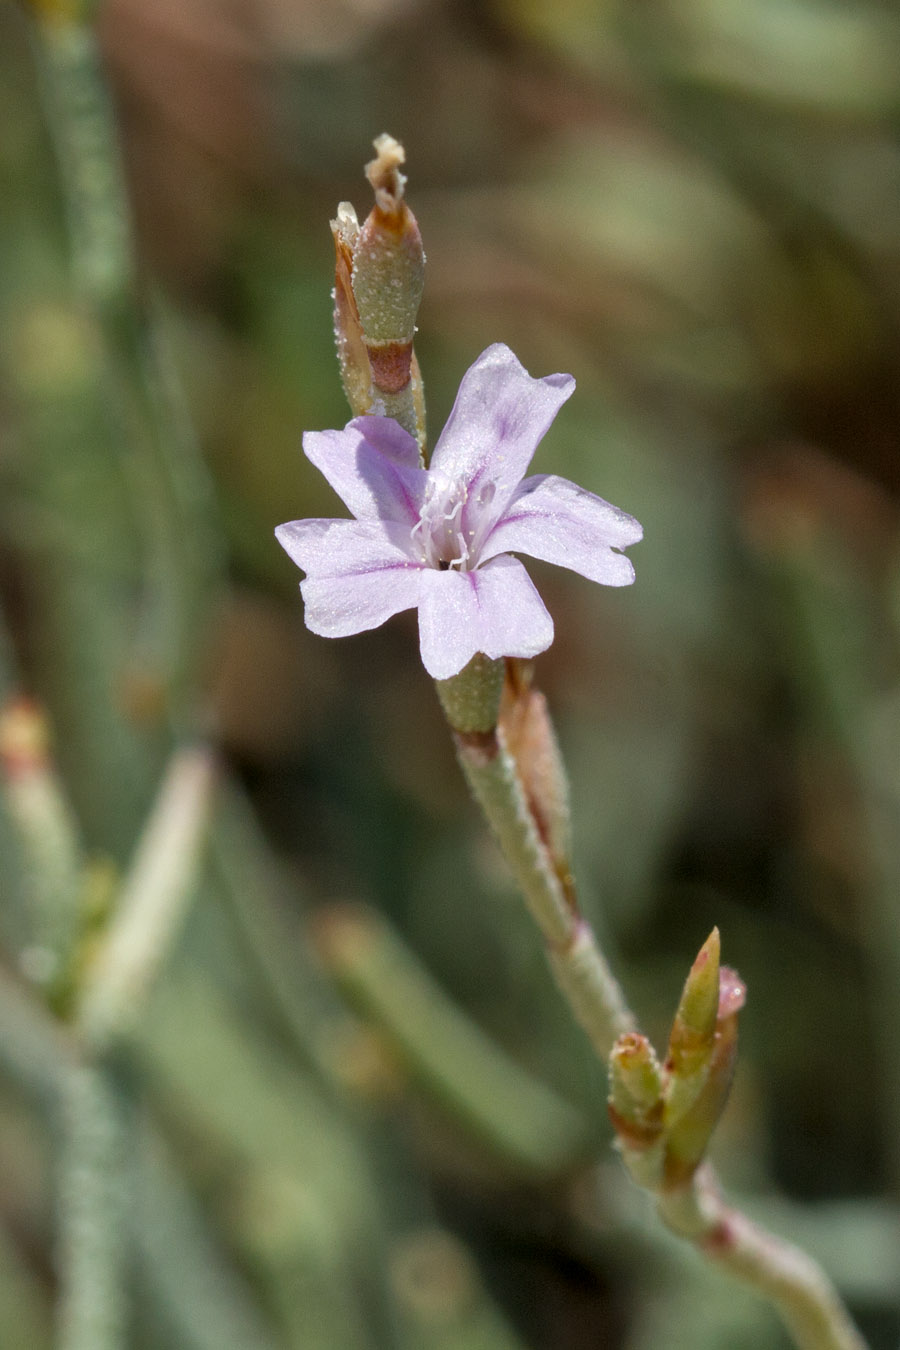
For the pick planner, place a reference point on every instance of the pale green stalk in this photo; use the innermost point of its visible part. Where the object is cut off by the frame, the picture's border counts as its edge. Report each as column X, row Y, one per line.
column 792, row 1281
column 524, row 802
column 580, row 968
column 800, row 1290
column 152, row 902
column 38, row 808
column 94, row 1197
column 93, row 1209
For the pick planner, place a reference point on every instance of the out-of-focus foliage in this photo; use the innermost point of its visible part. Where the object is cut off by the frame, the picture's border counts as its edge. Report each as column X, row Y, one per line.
column 695, row 208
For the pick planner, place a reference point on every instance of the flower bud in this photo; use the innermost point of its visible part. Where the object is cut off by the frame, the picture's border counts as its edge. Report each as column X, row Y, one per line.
column 694, row 1102
column 353, row 359
column 635, row 1087
column 379, row 277
column 693, row 1035
column 636, row 1107
column 694, row 1026
column 389, row 261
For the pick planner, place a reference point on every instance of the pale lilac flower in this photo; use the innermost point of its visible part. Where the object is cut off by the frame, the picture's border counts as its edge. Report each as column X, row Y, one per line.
column 440, row 538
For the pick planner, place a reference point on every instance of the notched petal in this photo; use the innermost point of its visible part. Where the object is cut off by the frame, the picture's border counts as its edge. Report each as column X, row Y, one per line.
column 500, row 416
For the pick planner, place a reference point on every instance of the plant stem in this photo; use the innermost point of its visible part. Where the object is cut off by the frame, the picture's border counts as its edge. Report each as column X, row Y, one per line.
column 790, row 1279
column 797, row 1286
column 93, row 1212
column 153, row 901
column 579, row 966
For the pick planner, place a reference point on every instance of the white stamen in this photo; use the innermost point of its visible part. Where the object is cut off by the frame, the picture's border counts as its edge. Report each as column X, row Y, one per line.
column 439, row 528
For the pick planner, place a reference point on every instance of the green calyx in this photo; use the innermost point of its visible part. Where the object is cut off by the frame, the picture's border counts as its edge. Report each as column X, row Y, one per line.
column 471, row 699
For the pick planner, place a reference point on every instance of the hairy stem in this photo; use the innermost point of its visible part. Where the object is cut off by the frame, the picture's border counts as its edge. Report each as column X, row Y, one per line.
column 790, row 1279
column 93, row 1212
column 579, row 966
column 797, row 1286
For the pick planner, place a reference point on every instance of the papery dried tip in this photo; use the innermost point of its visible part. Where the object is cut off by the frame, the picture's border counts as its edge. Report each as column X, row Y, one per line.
column 531, row 740
column 383, row 172
column 519, row 677
column 353, row 359
column 345, row 225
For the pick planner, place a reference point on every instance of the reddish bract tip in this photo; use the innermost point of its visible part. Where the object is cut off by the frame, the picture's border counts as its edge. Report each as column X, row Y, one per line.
column 24, row 737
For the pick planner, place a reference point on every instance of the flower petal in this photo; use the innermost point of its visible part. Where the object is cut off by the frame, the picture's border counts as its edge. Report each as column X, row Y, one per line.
column 559, row 522
column 360, row 572
column 329, row 548
column 515, row 620
column 374, row 467
column 494, row 609
column 449, row 631
column 498, row 420
column 341, row 606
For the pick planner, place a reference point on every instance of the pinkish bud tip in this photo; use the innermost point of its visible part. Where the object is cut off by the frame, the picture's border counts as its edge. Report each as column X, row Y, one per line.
column 732, row 993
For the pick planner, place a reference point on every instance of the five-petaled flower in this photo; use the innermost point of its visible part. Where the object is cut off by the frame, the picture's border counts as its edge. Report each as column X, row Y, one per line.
column 440, row 538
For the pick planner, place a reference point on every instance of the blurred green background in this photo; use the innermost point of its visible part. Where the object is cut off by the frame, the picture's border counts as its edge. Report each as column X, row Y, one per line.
column 356, row 1114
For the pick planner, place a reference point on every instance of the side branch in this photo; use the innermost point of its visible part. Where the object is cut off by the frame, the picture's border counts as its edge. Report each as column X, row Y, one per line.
column 664, row 1113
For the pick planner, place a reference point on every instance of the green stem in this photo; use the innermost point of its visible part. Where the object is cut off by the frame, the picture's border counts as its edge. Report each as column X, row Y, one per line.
column 579, row 966
column 37, row 804
column 93, row 1212
column 146, row 403
column 790, row 1279
column 152, row 904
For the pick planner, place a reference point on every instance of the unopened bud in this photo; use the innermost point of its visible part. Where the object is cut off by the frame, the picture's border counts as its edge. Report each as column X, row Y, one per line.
column 353, row 359
column 636, row 1107
column 695, row 1019
column 388, row 261
column 694, row 1105
column 379, row 278
column 635, row 1086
